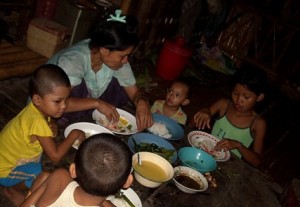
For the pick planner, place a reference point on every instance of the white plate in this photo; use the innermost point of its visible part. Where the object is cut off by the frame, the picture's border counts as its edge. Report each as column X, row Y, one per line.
column 207, row 142
column 89, row 128
column 98, row 117
column 131, row 195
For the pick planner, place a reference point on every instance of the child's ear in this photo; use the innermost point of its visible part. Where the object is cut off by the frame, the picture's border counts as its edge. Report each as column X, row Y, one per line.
column 72, row 170
column 128, row 181
column 185, row 102
column 260, row 97
column 36, row 99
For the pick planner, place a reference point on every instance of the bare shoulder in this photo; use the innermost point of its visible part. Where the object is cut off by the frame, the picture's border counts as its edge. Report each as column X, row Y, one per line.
column 60, row 174
column 258, row 127
column 259, row 121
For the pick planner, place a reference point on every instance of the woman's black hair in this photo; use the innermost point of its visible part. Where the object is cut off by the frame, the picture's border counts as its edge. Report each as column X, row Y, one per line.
column 115, row 35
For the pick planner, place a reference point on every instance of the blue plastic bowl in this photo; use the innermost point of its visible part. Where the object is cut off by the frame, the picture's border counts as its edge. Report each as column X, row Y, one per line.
column 173, row 127
column 156, row 141
column 197, row 159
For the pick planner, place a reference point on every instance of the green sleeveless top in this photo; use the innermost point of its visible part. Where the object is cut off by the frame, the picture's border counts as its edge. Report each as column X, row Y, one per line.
column 223, row 128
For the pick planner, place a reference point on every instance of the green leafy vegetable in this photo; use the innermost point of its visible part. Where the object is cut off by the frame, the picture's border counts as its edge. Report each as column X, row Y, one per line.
column 152, row 147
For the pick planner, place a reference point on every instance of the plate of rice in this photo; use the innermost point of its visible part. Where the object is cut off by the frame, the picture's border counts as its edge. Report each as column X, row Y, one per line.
column 166, row 127
column 207, row 142
column 89, row 129
column 125, row 126
column 130, row 194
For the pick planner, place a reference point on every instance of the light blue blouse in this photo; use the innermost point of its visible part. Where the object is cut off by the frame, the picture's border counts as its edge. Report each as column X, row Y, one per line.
column 76, row 62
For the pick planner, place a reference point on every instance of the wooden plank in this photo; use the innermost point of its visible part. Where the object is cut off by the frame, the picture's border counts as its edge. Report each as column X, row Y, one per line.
column 17, row 60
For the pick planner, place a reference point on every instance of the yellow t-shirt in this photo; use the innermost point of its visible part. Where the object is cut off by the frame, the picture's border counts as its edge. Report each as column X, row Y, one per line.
column 15, row 146
column 179, row 116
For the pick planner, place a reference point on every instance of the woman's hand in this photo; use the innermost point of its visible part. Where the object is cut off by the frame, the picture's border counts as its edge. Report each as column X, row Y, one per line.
column 109, row 111
column 143, row 115
column 202, row 119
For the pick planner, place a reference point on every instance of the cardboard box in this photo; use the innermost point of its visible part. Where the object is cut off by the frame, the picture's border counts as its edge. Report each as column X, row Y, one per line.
column 46, row 37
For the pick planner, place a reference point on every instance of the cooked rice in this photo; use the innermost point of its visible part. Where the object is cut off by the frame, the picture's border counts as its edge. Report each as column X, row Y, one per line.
column 160, row 129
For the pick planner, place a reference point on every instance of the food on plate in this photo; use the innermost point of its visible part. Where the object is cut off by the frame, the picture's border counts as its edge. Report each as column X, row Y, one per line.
column 189, row 182
column 152, row 147
column 161, row 130
column 118, row 201
column 123, row 125
column 151, row 170
column 209, row 147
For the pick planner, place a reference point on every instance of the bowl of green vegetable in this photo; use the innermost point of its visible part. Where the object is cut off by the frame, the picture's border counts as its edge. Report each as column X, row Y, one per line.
column 145, row 142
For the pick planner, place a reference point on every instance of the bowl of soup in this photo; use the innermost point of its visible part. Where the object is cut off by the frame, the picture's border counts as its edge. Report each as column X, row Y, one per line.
column 189, row 180
column 151, row 170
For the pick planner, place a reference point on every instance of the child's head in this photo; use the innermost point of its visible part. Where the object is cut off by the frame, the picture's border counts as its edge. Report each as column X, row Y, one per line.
column 249, row 87
column 178, row 94
column 49, row 89
column 253, row 79
column 102, row 165
column 46, row 78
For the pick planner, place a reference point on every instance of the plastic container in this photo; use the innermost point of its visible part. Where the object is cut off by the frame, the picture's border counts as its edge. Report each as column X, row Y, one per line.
column 172, row 59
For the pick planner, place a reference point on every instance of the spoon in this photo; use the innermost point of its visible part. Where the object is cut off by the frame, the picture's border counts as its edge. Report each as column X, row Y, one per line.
column 139, row 159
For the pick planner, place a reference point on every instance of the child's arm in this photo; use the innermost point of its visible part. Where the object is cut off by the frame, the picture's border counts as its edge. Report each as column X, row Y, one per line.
column 203, row 117
column 258, row 130
column 59, row 179
column 253, row 157
column 56, row 152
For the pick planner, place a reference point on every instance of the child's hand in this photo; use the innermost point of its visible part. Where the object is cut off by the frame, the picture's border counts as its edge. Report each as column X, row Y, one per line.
column 202, row 119
column 77, row 134
column 227, row 144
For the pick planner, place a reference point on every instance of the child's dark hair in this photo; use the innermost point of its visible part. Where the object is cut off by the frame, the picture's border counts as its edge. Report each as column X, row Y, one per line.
column 115, row 35
column 185, row 81
column 45, row 78
column 103, row 163
column 252, row 78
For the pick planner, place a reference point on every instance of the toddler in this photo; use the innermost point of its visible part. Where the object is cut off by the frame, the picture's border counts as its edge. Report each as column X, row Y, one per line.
column 177, row 95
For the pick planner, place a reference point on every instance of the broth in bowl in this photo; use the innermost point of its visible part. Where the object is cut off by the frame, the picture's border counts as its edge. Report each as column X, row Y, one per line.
column 151, row 171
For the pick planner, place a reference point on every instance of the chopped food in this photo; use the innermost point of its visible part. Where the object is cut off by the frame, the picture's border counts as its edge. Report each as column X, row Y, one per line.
column 123, row 125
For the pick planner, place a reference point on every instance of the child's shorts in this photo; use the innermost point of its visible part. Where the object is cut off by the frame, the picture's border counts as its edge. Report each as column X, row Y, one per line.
column 24, row 173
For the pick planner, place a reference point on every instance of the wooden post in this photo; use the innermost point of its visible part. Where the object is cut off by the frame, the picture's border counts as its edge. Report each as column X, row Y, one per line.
column 125, row 5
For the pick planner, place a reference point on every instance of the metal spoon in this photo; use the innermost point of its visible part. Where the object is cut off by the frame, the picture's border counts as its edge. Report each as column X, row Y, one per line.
column 139, row 159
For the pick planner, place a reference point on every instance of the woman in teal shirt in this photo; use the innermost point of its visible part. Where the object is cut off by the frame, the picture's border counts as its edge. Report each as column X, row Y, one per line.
column 100, row 74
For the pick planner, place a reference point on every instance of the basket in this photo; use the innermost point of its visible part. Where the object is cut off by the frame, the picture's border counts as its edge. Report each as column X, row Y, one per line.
column 46, row 37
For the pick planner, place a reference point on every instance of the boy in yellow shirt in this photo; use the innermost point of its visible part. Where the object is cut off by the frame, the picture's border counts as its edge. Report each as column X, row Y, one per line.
column 30, row 133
